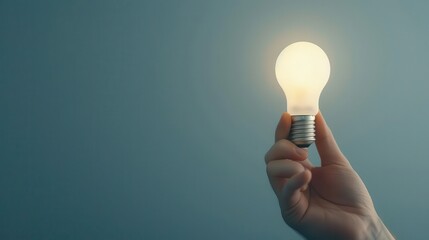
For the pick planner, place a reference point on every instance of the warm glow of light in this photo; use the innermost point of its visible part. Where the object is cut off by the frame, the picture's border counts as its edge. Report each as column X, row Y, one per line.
column 302, row 70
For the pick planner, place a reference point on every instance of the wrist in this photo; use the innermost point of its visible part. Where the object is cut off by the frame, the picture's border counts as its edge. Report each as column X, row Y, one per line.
column 377, row 230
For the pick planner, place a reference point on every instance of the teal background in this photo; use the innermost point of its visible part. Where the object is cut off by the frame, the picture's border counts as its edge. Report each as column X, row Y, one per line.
column 150, row 119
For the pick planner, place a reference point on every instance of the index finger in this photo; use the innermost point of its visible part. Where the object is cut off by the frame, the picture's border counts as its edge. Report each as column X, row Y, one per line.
column 283, row 127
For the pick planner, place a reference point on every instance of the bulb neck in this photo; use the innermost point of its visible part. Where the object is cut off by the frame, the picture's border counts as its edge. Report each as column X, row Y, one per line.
column 303, row 132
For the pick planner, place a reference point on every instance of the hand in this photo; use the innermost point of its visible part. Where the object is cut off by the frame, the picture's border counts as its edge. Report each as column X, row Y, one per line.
column 327, row 202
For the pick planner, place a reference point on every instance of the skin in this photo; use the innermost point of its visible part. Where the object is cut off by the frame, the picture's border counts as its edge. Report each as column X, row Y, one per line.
column 326, row 202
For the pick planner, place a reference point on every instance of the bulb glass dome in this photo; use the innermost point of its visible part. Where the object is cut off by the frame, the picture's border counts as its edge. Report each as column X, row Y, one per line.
column 302, row 70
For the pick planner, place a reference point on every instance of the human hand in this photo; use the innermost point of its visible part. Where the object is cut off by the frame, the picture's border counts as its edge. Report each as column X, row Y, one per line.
column 326, row 202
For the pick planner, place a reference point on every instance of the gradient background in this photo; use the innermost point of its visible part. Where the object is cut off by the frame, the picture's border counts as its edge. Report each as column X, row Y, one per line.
column 150, row 119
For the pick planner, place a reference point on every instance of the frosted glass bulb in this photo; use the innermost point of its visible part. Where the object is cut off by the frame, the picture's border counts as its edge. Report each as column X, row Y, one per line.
column 302, row 70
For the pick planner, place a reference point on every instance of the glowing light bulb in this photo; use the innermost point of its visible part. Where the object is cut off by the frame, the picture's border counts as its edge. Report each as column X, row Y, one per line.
column 302, row 70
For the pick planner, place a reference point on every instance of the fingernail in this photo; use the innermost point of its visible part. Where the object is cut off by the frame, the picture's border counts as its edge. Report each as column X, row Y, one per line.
column 301, row 152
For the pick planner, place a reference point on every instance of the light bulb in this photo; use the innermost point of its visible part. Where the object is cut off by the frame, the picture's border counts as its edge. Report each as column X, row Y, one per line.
column 302, row 70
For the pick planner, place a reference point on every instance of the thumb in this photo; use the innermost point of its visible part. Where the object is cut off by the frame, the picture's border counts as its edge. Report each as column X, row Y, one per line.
column 327, row 147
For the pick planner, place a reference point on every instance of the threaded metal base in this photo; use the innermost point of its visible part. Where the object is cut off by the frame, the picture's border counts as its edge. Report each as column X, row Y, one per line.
column 303, row 132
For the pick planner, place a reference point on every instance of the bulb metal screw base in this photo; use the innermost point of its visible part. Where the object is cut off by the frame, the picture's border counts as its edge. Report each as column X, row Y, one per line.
column 303, row 132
